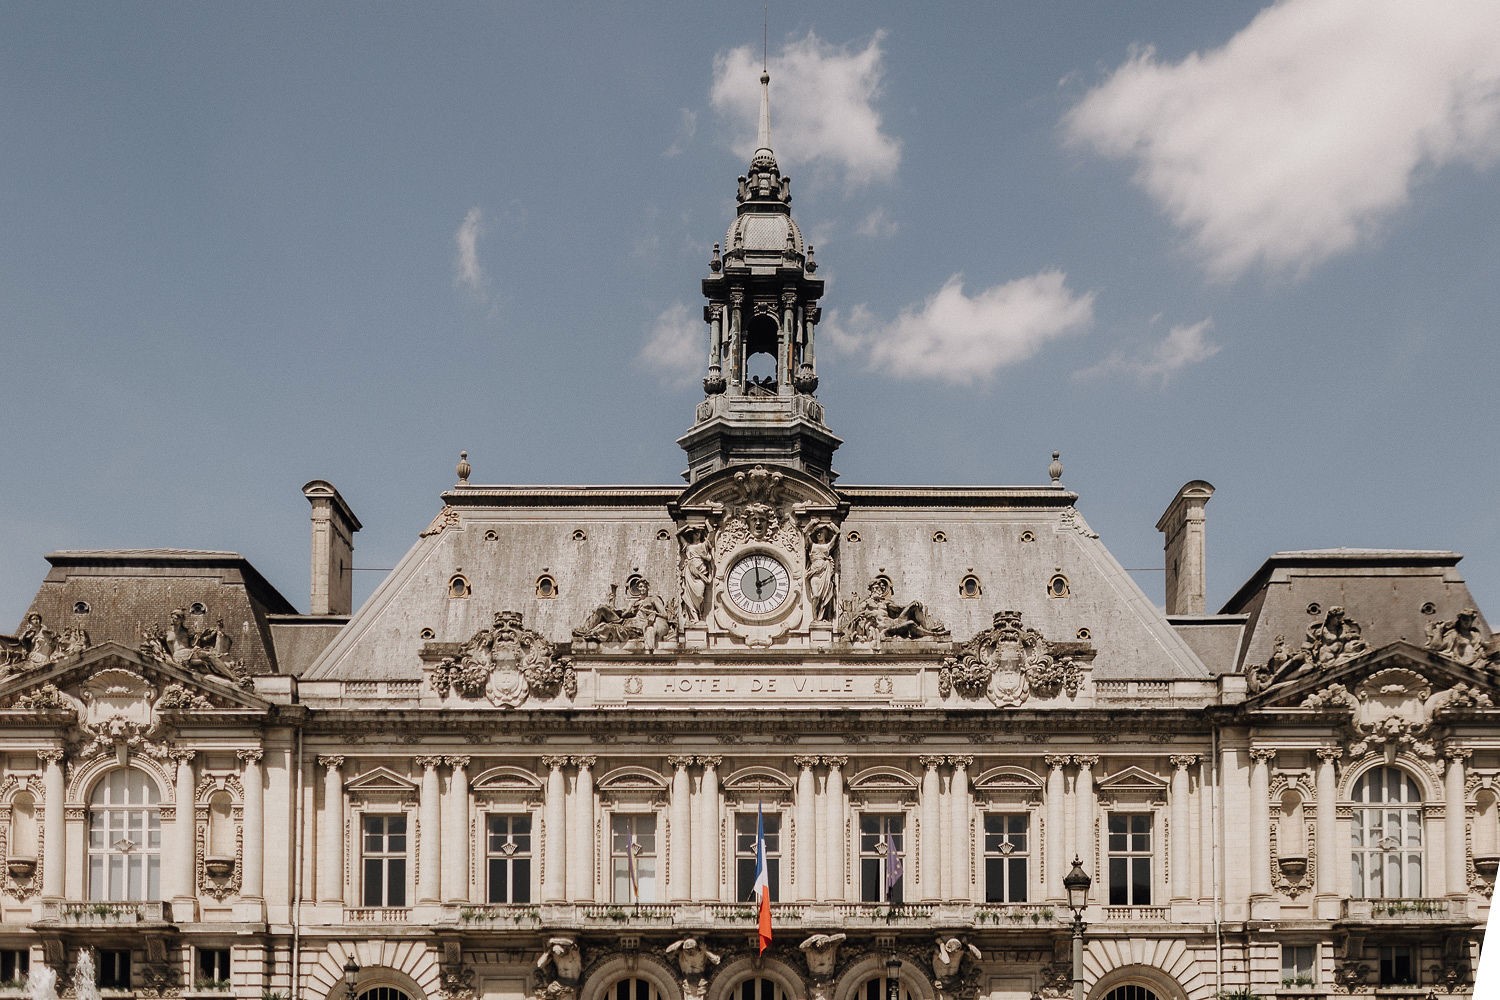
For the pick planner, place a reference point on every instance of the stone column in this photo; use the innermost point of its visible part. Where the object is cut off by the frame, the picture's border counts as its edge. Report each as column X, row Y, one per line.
column 833, row 844
column 456, row 854
column 1056, row 854
column 331, row 832
column 962, row 845
column 932, row 832
column 184, row 865
column 1260, row 820
column 736, row 338
column 807, row 790
column 1083, row 816
column 1455, row 822
column 430, row 838
column 716, row 333
column 1237, row 854
column 1196, row 844
column 252, row 875
column 1208, row 837
column 54, row 829
column 1181, row 883
column 784, row 345
column 555, row 839
column 1327, row 788
column 706, row 830
column 681, row 841
column 945, row 836
column 582, row 825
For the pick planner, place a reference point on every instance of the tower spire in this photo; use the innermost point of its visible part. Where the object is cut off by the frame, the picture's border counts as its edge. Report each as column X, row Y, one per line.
column 763, row 149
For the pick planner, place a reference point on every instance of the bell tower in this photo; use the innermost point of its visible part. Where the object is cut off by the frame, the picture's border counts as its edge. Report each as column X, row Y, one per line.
column 762, row 311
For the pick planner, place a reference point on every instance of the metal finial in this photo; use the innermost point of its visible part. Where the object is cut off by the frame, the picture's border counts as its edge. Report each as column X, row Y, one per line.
column 1055, row 469
column 464, row 468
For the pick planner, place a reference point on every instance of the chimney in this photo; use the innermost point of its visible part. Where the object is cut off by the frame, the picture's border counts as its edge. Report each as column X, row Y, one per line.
column 1183, row 524
column 333, row 528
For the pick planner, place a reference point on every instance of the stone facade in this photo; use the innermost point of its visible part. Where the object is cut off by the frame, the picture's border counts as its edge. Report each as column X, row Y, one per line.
column 532, row 765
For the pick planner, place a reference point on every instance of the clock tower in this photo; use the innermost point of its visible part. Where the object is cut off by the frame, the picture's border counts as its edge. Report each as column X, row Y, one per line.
column 762, row 310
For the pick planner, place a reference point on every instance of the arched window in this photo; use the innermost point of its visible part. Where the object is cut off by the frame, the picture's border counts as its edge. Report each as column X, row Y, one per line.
column 1387, row 835
column 634, row 989
column 125, row 838
column 875, row 989
column 1130, row 991
column 760, row 989
column 384, row 993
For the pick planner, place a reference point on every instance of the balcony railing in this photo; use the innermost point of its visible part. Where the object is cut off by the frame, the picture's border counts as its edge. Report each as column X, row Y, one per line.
column 377, row 914
column 747, row 913
column 101, row 914
column 1138, row 914
column 1017, row 915
column 618, row 914
column 500, row 915
column 882, row 914
column 1407, row 911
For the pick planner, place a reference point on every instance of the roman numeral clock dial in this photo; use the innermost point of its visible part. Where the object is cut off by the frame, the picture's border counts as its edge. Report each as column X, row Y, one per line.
column 759, row 584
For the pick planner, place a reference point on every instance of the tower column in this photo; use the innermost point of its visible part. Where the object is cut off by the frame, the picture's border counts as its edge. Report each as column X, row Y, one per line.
column 554, row 889
column 736, row 338
column 784, row 345
column 807, row 790
column 930, row 850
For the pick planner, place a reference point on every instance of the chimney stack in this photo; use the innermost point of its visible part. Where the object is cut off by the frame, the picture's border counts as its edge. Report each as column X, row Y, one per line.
column 1184, row 525
column 333, row 528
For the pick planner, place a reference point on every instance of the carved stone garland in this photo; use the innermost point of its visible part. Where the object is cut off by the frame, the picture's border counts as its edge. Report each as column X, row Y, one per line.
column 1009, row 663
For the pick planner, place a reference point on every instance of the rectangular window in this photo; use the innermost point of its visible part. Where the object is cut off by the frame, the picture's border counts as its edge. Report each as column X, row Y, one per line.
column 213, row 968
column 1005, row 857
column 744, row 854
column 508, row 858
column 882, row 840
column 384, row 857
column 15, row 966
column 1398, row 965
column 1129, row 859
column 114, row 968
column 1299, row 964
column 632, row 857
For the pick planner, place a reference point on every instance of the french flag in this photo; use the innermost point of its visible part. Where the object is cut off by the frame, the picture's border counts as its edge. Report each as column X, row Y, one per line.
column 762, row 888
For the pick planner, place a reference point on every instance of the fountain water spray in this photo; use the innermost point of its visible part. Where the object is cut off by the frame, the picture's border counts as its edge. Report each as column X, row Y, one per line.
column 41, row 984
column 85, row 986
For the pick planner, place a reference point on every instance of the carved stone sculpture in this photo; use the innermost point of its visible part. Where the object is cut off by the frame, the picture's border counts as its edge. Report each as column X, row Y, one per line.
column 1459, row 639
column 644, row 617
column 822, row 954
column 561, row 961
column 506, row 663
column 36, row 645
column 1334, row 640
column 1008, row 664
column 948, row 957
column 697, row 570
column 204, row 651
column 693, row 959
column 1396, row 707
column 880, row 616
column 821, row 581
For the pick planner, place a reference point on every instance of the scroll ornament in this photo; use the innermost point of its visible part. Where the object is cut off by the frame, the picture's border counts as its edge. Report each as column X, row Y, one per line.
column 506, row 663
column 1009, row 663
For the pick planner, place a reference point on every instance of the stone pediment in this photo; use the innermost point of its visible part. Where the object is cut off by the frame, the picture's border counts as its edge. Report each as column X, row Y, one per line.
column 1439, row 672
column 113, row 674
column 745, row 483
column 381, row 781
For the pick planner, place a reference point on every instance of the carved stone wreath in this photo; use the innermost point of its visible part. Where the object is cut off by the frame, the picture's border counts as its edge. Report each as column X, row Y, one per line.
column 507, row 664
column 1009, row 663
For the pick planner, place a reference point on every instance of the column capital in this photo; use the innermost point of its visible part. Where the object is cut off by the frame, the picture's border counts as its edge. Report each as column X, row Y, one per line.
column 680, row 762
column 332, row 761
column 710, row 761
column 1056, row 761
column 428, row 762
column 457, row 762
column 835, row 761
column 1086, row 761
column 585, row 761
column 806, row 763
column 250, row 755
column 181, row 755
column 1329, row 755
column 963, row 760
column 554, row 762
column 715, row 310
column 1262, row 755
column 50, row 756
column 1457, row 754
column 931, row 761
column 736, row 297
column 1183, row 761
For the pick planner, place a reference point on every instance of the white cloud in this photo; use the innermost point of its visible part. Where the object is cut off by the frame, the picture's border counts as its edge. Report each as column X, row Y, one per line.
column 822, row 106
column 878, row 224
column 467, row 271
column 1182, row 347
column 958, row 338
column 687, row 127
column 1296, row 139
column 677, row 347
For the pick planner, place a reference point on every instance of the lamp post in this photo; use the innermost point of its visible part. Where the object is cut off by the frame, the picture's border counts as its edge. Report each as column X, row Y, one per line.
column 893, row 978
column 1077, row 882
column 351, row 978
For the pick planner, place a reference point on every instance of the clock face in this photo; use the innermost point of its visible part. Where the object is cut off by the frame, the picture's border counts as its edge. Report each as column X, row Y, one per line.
column 759, row 584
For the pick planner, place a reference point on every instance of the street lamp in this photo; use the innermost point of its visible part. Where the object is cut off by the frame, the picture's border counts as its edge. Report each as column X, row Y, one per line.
column 351, row 977
column 1077, row 882
column 893, row 978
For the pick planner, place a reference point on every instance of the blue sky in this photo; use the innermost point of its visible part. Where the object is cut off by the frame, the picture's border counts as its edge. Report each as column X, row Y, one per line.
column 245, row 246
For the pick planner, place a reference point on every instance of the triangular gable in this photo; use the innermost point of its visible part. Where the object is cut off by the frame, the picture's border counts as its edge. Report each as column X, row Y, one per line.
column 1442, row 672
column 381, row 779
column 198, row 692
column 1131, row 779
